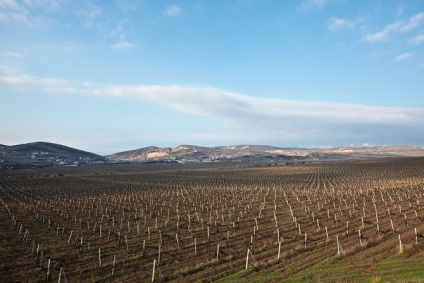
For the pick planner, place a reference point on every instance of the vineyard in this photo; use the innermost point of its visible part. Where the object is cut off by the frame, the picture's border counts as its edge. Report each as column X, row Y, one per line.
column 203, row 223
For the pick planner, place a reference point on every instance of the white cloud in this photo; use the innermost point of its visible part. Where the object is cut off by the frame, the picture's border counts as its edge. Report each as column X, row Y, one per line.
column 121, row 45
column 375, row 37
column 245, row 118
column 172, row 11
column 381, row 35
column 336, row 23
column 398, row 26
column 12, row 11
column 23, row 81
column 11, row 4
column 413, row 22
column 404, row 56
column 221, row 103
column 11, row 55
column 32, row 13
column 10, row 62
column 417, row 39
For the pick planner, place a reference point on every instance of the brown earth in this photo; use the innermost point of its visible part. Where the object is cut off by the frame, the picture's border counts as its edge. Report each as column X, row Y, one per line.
column 71, row 216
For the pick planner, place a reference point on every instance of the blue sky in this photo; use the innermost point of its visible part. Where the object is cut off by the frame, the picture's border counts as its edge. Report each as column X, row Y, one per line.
column 108, row 76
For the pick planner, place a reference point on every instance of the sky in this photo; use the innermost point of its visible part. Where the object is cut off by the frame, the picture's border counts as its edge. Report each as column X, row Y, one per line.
column 109, row 76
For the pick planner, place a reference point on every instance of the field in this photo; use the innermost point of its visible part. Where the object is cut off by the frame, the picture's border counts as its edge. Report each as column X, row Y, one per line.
column 325, row 222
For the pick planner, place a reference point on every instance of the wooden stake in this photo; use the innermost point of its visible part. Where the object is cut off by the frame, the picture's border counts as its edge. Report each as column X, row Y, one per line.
column 41, row 259
column 60, row 274
column 144, row 247
column 100, row 258
column 279, row 250
column 326, row 232
column 48, row 270
column 416, row 235
column 338, row 246
column 306, row 238
column 70, row 236
column 153, row 271
column 113, row 264
column 400, row 243
column 247, row 258
column 159, row 255
column 278, row 234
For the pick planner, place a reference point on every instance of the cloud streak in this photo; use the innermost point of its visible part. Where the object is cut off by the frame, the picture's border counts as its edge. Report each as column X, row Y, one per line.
column 29, row 13
column 404, row 56
column 335, row 24
column 413, row 22
column 381, row 35
column 396, row 27
column 121, row 45
column 264, row 117
column 417, row 39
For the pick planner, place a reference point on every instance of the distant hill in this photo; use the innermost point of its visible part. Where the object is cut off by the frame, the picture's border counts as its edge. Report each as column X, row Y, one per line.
column 40, row 154
column 401, row 150
column 192, row 153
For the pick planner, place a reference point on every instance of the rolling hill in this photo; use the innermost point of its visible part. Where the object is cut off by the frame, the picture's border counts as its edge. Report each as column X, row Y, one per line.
column 195, row 153
column 192, row 153
column 40, row 154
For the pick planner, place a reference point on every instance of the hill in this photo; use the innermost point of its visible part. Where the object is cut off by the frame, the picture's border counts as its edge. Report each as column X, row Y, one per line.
column 41, row 154
column 192, row 153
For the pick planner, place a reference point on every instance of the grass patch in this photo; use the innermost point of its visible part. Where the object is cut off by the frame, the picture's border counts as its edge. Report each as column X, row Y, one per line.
column 396, row 268
column 400, row 268
column 330, row 270
column 235, row 276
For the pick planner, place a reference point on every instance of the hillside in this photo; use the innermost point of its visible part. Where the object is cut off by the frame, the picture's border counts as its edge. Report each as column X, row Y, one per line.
column 192, row 153
column 40, row 154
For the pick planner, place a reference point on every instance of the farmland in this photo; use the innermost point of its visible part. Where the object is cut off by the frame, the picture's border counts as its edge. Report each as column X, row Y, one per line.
column 362, row 220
